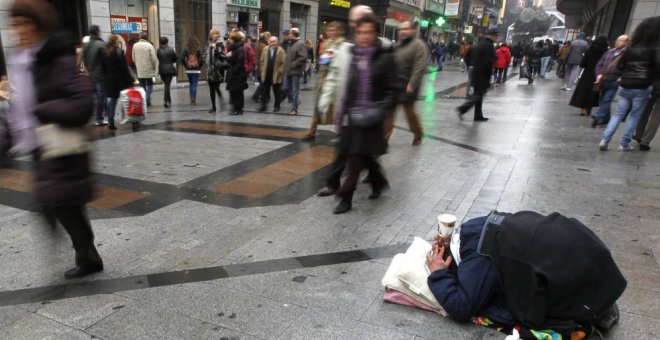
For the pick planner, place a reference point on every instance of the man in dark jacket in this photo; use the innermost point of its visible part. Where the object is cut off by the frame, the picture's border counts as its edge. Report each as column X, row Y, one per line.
column 93, row 59
column 481, row 57
column 294, row 67
column 573, row 59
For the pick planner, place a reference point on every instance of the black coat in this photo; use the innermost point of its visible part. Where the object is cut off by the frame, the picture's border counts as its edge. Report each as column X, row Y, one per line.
column 63, row 98
column 117, row 75
column 482, row 58
column 236, row 76
column 167, row 59
column 584, row 96
column 370, row 140
column 555, row 272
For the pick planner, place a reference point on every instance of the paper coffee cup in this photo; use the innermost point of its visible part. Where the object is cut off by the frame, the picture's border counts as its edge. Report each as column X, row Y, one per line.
column 446, row 223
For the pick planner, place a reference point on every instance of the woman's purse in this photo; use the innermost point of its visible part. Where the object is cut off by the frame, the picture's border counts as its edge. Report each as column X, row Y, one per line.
column 360, row 117
column 58, row 141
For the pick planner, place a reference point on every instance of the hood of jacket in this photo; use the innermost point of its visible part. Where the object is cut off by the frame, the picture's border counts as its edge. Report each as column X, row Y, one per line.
column 58, row 43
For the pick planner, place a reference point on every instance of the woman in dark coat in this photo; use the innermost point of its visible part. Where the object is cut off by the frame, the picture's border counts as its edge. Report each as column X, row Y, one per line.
column 167, row 59
column 117, row 76
column 584, row 96
column 371, row 87
column 217, row 66
column 236, row 76
column 63, row 182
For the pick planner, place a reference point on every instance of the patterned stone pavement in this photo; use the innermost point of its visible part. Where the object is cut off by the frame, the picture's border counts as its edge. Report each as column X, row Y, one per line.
column 209, row 228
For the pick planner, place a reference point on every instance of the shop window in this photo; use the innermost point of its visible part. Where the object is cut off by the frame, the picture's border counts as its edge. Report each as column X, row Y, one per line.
column 130, row 18
column 73, row 16
column 299, row 19
column 192, row 18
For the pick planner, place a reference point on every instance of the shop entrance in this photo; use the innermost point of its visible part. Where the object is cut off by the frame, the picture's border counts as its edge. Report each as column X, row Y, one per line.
column 244, row 21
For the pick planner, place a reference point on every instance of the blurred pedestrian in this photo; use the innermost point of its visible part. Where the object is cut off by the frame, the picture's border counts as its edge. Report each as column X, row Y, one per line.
column 482, row 56
column 584, row 97
column 561, row 59
column 271, row 66
column 573, row 59
column 53, row 95
column 192, row 60
column 365, row 79
column 146, row 61
column 332, row 45
column 167, row 59
column 93, row 60
column 546, row 56
column 118, row 76
column 517, row 54
column 608, row 74
column 439, row 52
column 262, row 45
column 637, row 65
column 236, row 76
column 410, row 55
column 533, row 56
column 294, row 67
column 217, row 66
column 310, row 60
column 502, row 63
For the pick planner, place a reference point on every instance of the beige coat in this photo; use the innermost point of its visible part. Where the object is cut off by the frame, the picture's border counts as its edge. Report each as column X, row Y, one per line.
column 278, row 72
column 145, row 59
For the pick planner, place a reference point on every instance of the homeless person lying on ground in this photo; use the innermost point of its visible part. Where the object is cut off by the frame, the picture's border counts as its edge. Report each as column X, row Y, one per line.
column 531, row 272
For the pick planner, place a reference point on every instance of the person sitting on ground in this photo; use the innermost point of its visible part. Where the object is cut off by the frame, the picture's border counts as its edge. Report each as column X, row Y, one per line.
column 518, row 270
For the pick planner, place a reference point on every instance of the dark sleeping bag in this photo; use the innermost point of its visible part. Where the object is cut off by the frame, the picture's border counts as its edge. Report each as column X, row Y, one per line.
column 555, row 272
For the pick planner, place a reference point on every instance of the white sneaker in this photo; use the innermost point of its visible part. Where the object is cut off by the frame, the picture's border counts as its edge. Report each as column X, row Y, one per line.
column 603, row 145
column 626, row 148
column 563, row 88
column 568, row 89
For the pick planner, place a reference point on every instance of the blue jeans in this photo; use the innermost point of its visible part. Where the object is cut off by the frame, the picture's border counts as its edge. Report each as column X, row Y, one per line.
column 293, row 90
column 606, row 95
column 101, row 100
column 544, row 65
column 637, row 98
column 193, row 79
column 112, row 106
column 148, row 86
column 439, row 62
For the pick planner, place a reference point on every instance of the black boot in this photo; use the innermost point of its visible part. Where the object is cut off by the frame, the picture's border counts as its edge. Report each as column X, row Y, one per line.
column 87, row 263
column 343, row 206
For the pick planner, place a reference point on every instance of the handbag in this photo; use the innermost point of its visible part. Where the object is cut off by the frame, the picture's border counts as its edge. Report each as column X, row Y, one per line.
column 524, row 71
column 58, row 141
column 360, row 117
column 598, row 84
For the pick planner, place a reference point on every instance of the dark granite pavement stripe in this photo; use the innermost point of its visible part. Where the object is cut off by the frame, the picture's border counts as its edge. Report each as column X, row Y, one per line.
column 87, row 288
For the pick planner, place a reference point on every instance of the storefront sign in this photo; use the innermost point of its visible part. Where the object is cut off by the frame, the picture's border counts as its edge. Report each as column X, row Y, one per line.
column 478, row 11
column 121, row 25
column 467, row 29
column 340, row 3
column 435, row 6
column 486, row 21
column 246, row 3
column 451, row 8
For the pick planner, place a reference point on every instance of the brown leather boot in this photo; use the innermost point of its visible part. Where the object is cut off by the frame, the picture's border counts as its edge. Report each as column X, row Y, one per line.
column 311, row 133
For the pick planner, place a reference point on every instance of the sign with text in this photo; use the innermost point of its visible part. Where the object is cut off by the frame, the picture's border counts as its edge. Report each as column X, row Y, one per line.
column 246, row 3
column 131, row 25
column 451, row 8
column 340, row 3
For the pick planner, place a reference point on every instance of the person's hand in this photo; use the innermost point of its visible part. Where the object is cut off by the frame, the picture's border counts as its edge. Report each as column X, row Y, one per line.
column 410, row 89
column 434, row 260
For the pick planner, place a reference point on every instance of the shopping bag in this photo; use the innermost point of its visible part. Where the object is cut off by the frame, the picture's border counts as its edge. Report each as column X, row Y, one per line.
column 524, row 71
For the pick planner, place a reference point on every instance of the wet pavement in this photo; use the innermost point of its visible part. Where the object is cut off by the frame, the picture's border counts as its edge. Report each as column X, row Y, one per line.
column 209, row 227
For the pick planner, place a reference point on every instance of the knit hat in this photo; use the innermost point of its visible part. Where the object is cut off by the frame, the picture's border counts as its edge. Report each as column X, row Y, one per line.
column 42, row 12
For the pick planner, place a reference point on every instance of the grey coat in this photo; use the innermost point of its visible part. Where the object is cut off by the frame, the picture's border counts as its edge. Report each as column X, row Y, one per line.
column 93, row 59
column 296, row 59
column 576, row 51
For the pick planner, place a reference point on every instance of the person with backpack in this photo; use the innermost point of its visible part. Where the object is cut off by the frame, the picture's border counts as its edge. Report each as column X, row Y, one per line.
column 118, row 76
column 167, row 68
column 191, row 58
column 217, row 65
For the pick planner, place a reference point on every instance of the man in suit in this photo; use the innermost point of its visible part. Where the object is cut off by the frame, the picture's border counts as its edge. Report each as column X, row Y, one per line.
column 271, row 67
column 481, row 58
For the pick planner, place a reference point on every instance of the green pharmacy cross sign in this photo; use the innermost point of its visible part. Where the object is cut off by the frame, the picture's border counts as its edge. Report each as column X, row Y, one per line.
column 440, row 21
